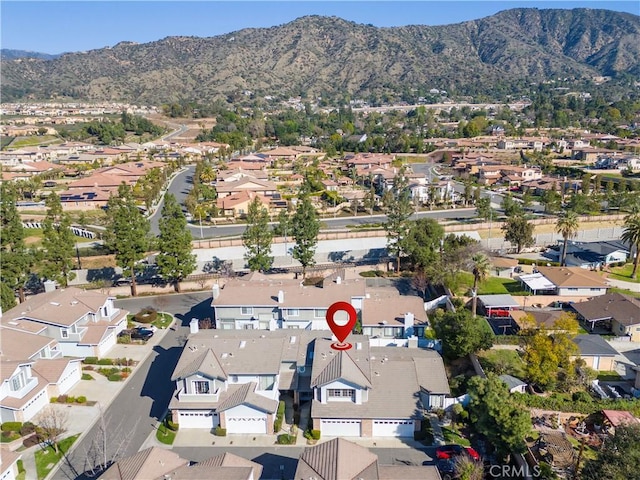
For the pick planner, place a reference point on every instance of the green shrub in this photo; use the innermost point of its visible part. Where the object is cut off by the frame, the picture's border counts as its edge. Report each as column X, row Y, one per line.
column 581, row 397
column 86, row 376
column 53, row 400
column 220, row 432
column 281, row 407
column 27, row 429
column 71, row 399
column 20, row 465
column 315, row 434
column 62, row 398
column 81, row 399
column 286, row 439
column 11, row 426
column 90, row 360
column 115, row 377
column 126, row 370
column 172, row 426
column 146, row 315
column 105, row 361
column 277, row 425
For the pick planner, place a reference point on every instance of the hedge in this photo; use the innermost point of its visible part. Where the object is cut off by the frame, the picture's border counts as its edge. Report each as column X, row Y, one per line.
column 539, row 262
column 220, row 432
column 91, row 360
column 286, row 439
column 146, row 315
column 315, row 434
column 565, row 403
column 11, row 426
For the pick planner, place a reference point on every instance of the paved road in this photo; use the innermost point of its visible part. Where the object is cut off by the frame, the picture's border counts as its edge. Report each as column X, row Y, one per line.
column 280, row 462
column 144, row 400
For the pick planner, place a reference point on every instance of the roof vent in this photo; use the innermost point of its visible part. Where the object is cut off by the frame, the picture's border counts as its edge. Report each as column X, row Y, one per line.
column 292, row 339
column 224, row 355
column 55, row 304
column 243, row 344
column 358, row 346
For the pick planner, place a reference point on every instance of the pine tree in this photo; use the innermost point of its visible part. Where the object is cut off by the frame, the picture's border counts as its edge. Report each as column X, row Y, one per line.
column 175, row 259
column 398, row 208
column 306, row 227
column 257, row 237
column 127, row 232
column 17, row 260
column 58, row 242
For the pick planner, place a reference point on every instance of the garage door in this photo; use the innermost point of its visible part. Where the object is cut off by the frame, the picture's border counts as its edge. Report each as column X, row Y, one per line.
column 393, row 428
column 247, row 425
column 340, row 428
column 198, row 419
column 71, row 377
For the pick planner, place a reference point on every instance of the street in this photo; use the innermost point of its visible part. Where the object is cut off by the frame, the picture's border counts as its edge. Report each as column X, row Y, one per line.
column 144, row 400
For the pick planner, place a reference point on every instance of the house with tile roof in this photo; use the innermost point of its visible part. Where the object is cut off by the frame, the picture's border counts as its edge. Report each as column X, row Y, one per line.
column 234, row 379
column 340, row 459
column 32, row 370
column 160, row 464
column 564, row 281
column 9, row 464
column 84, row 323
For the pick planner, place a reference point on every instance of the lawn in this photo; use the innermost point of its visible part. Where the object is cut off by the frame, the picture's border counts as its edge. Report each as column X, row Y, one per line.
column 624, row 273
column 624, row 292
column 501, row 362
column 451, row 436
column 165, row 435
column 46, row 459
column 163, row 320
column 609, row 376
column 490, row 285
column 34, row 141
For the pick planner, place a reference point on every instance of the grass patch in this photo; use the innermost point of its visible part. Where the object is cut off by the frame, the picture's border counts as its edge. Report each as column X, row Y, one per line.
column 624, row 292
column 163, row 320
column 609, row 376
column 86, row 376
column 46, row 459
column 451, row 436
column 502, row 362
column 164, row 434
column 34, row 141
column 588, row 453
column 490, row 286
column 623, row 273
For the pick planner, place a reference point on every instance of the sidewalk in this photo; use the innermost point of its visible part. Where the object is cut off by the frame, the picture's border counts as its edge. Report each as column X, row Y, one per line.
column 82, row 417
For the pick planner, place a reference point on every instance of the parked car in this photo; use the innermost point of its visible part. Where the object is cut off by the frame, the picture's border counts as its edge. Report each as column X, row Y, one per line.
column 137, row 333
column 122, row 282
column 447, row 452
column 447, row 469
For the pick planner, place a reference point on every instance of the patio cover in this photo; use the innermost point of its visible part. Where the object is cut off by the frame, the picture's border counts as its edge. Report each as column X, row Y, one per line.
column 498, row 301
column 536, row 282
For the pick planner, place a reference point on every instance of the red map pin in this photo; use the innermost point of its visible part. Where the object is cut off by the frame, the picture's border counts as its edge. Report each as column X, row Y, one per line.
column 341, row 331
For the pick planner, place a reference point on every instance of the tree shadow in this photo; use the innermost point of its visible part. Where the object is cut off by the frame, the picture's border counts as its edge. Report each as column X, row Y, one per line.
column 200, row 311
column 105, row 273
column 158, row 384
column 277, row 466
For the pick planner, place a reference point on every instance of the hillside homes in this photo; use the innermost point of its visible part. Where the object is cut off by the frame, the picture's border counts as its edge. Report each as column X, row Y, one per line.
column 83, row 323
column 234, row 380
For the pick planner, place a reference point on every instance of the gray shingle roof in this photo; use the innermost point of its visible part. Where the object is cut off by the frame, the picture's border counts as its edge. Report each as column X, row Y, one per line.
column 148, row 464
column 623, row 308
column 511, row 381
column 245, row 394
column 594, row 345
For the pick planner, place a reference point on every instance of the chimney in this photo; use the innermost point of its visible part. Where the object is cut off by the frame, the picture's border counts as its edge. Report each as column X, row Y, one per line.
column 216, row 291
column 338, row 280
column 408, row 320
column 49, row 286
column 193, row 325
column 280, row 296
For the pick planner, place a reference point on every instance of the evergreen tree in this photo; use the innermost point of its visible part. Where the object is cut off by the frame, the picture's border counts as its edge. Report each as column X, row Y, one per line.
column 16, row 259
column 398, row 209
column 306, row 227
column 518, row 231
column 175, row 259
column 127, row 232
column 257, row 237
column 619, row 457
column 58, row 243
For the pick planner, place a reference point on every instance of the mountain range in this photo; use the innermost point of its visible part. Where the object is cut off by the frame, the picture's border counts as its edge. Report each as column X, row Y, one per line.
column 317, row 55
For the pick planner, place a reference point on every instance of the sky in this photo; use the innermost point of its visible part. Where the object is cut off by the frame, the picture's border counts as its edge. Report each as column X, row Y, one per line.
column 71, row 26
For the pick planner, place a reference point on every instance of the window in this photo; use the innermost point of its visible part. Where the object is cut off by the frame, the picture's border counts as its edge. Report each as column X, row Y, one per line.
column 201, row 387
column 595, row 289
column 320, row 313
column 246, row 310
column 367, row 331
column 349, row 393
column 293, row 312
column 389, row 331
column 573, row 289
column 17, row 382
column 266, row 382
column 418, row 331
column 64, row 333
column 248, row 326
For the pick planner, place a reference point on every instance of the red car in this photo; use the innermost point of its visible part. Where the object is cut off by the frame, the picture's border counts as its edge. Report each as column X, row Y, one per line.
column 446, row 452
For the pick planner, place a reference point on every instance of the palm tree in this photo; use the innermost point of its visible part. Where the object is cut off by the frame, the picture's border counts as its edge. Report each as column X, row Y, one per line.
column 631, row 235
column 567, row 226
column 480, row 271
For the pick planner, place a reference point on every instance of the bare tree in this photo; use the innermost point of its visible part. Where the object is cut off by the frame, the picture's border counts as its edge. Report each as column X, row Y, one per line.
column 108, row 444
column 52, row 423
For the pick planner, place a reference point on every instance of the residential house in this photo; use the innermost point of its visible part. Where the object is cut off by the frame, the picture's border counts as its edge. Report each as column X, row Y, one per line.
column 263, row 187
column 369, row 160
column 84, row 323
column 33, row 371
column 156, row 463
column 590, row 255
column 388, row 315
column 237, row 204
column 616, row 312
column 615, row 418
column 596, row 352
column 564, row 281
column 9, row 464
column 374, row 391
column 340, row 459
column 504, row 266
column 281, row 153
column 236, row 175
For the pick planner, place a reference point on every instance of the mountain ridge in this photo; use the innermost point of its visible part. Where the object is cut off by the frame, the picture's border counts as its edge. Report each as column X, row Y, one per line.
column 315, row 55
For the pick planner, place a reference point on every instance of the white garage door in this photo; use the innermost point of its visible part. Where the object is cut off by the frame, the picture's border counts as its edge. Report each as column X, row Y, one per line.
column 340, row 428
column 71, row 377
column 198, row 419
column 392, row 428
column 247, row 425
